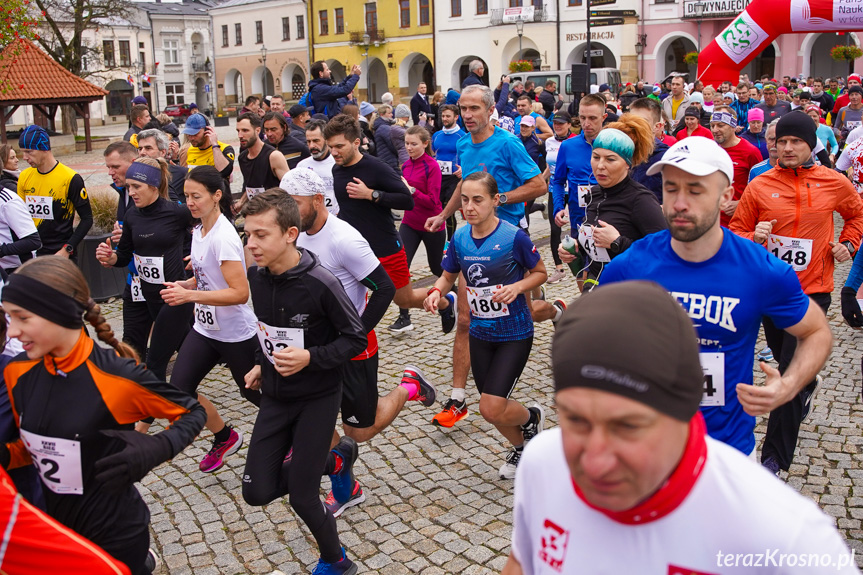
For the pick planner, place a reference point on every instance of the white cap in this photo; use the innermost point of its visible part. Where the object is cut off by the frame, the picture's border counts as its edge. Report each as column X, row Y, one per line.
column 495, row 115
column 302, row 182
column 697, row 156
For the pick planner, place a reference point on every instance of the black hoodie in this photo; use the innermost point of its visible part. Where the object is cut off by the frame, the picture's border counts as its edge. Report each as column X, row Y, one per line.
column 310, row 298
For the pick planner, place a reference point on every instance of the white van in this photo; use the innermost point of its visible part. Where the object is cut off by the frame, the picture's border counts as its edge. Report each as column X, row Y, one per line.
column 598, row 76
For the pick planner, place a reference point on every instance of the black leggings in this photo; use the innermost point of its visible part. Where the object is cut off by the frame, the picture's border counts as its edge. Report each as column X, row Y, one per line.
column 433, row 241
column 555, row 231
column 199, row 354
column 170, row 325
column 497, row 365
column 307, row 427
column 447, row 187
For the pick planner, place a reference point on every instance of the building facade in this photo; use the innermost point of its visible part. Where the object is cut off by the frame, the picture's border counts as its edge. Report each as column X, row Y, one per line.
column 261, row 49
column 393, row 41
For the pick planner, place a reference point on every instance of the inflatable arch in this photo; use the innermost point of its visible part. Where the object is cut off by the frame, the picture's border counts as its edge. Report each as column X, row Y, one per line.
column 762, row 21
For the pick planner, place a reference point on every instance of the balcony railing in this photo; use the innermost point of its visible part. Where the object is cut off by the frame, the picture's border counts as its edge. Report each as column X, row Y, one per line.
column 539, row 15
column 375, row 36
column 201, row 67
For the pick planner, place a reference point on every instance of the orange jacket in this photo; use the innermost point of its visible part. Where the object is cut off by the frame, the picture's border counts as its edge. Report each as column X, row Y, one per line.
column 802, row 202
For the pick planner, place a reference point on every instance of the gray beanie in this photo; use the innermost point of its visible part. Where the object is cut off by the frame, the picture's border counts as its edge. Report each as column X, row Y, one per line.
column 402, row 111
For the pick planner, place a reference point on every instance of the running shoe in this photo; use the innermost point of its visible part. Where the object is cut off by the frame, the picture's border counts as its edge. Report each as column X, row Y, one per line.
column 542, row 293
column 765, row 354
column 557, row 276
column 531, row 430
column 507, row 470
column 402, row 323
column 453, row 411
column 152, row 561
column 337, row 507
column 426, row 393
column 561, row 305
column 771, row 465
column 448, row 315
column 343, row 481
column 220, row 450
column 343, row 567
column 809, row 397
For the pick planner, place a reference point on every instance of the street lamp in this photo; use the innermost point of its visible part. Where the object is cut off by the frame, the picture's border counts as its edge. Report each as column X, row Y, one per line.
column 264, row 61
column 519, row 26
column 367, row 40
column 699, row 7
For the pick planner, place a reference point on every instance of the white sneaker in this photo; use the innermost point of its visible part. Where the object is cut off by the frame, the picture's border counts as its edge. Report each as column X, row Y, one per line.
column 507, row 470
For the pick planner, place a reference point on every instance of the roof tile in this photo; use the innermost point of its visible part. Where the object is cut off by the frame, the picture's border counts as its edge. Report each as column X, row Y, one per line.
column 34, row 75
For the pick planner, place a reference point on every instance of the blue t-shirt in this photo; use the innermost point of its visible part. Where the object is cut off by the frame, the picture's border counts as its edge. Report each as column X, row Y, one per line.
column 444, row 146
column 517, row 122
column 502, row 156
column 759, row 168
column 573, row 169
column 726, row 297
column 500, row 258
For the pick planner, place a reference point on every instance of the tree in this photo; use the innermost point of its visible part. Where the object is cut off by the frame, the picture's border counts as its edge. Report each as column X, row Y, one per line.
column 17, row 21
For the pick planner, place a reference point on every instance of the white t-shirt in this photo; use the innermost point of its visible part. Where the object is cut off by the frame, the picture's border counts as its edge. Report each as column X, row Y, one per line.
column 230, row 323
column 735, row 508
column 14, row 217
column 344, row 252
column 324, row 169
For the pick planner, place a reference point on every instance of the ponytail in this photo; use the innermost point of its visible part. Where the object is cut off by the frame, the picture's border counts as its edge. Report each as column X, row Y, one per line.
column 94, row 317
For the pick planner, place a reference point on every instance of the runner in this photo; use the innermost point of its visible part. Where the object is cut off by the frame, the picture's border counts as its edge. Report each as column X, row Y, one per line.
column 769, row 212
column 691, row 127
column 93, row 456
column 306, row 340
column 424, row 178
column 153, row 234
column 772, row 106
column 261, row 167
column 321, row 161
column 53, row 194
column 770, row 162
column 630, row 466
column 282, row 137
column 445, row 152
column 651, row 111
column 18, row 234
column 224, row 329
column 154, row 144
column 501, row 327
column 743, row 155
column 695, row 261
column 205, row 148
column 560, row 122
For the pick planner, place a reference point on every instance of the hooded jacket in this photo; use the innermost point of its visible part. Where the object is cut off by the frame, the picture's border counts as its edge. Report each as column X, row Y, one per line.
column 325, row 94
column 309, row 298
column 654, row 182
column 385, row 147
column 758, row 140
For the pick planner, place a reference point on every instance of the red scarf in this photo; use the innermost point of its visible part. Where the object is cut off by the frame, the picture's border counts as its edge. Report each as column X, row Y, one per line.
column 675, row 489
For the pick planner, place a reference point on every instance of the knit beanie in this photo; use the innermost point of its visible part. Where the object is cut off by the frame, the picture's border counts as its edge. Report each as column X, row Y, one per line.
column 797, row 125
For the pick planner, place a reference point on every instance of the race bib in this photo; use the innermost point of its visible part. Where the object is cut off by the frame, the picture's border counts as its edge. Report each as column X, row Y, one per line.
column 150, row 269
column 793, row 251
column 585, row 238
column 41, row 207
column 58, row 462
column 583, row 195
column 252, row 192
column 205, row 316
column 275, row 339
column 713, row 365
column 445, row 167
column 851, row 125
column 481, row 304
column 137, row 294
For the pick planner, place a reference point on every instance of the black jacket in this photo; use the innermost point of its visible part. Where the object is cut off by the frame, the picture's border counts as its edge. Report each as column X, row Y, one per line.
column 547, row 99
column 9, row 181
column 297, row 132
column 654, row 182
column 385, row 149
column 419, row 104
column 325, row 94
column 310, row 298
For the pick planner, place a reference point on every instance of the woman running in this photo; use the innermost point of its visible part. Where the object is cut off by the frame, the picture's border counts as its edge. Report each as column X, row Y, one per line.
column 224, row 330
column 424, row 178
column 75, row 404
column 494, row 256
column 154, row 232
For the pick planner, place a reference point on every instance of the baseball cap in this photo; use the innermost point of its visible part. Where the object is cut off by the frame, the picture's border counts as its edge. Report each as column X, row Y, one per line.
column 194, row 124
column 139, row 100
column 193, row 106
column 561, row 117
column 697, row 156
column 297, row 110
column 302, row 182
column 604, row 88
column 528, row 121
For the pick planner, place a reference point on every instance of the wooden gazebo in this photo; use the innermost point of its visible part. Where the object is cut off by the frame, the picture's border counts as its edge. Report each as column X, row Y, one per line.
column 32, row 78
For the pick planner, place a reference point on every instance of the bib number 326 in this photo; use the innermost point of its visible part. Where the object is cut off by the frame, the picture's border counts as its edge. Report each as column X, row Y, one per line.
column 58, row 462
column 795, row 252
column 275, row 339
column 41, row 207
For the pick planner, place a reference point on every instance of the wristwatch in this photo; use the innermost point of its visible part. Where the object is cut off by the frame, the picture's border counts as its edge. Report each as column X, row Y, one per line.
column 502, row 198
column 850, row 247
column 614, row 248
column 376, row 196
column 69, row 249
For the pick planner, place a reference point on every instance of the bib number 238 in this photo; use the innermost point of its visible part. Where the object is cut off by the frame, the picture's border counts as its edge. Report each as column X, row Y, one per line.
column 205, row 315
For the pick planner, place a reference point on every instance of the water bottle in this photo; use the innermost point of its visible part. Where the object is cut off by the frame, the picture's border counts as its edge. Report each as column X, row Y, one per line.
column 569, row 245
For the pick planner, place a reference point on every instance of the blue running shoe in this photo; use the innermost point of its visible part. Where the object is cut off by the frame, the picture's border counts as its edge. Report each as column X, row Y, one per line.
column 343, row 567
column 343, row 481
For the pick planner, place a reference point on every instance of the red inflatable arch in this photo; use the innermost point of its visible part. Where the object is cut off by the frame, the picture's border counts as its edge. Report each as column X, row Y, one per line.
column 762, row 21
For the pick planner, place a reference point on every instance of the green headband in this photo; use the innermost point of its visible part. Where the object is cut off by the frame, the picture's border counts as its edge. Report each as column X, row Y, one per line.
column 615, row 141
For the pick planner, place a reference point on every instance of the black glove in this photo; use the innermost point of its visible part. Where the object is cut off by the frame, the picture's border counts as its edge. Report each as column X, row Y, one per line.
column 139, row 454
column 5, row 456
column 850, row 308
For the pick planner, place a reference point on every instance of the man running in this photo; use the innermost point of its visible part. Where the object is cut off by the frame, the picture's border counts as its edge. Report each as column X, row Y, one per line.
column 723, row 125
column 54, row 193
column 206, row 149
column 321, row 162
column 693, row 260
column 154, row 144
column 280, row 136
column 444, row 145
column 262, row 168
column 770, row 211
column 140, row 117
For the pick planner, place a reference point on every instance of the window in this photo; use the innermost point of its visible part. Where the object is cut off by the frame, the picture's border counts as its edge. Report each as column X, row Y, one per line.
column 573, row 2
column 340, row 20
column 108, row 53
column 125, row 53
column 301, row 27
column 455, row 8
column 515, row 3
column 238, row 34
column 424, row 12
column 404, row 13
column 259, row 32
column 174, row 94
column 324, row 22
column 371, row 16
column 142, row 58
column 172, row 51
column 286, row 28
column 482, row 7
column 224, row 35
